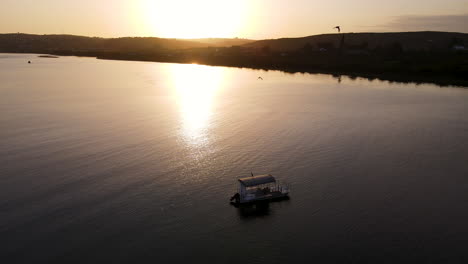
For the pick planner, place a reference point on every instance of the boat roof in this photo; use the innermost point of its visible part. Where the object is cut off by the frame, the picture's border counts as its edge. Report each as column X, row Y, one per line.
column 257, row 180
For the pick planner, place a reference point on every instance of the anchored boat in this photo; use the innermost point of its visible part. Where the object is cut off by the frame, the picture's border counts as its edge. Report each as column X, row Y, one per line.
column 259, row 188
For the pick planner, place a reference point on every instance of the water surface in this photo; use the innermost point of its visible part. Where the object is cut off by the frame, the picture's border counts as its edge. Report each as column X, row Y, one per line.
column 127, row 162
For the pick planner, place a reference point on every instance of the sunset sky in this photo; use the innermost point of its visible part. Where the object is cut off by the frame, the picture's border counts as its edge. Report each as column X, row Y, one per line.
column 255, row 19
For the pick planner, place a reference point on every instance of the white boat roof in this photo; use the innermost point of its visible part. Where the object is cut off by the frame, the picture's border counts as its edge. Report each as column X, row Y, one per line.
column 257, row 180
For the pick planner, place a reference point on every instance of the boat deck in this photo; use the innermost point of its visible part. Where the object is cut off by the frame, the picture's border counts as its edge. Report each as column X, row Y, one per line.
column 253, row 197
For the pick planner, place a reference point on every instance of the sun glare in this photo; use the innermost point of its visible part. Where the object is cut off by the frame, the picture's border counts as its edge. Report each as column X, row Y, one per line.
column 195, row 88
column 194, row 19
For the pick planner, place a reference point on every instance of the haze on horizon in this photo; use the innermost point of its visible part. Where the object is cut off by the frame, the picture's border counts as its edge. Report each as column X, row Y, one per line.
column 255, row 19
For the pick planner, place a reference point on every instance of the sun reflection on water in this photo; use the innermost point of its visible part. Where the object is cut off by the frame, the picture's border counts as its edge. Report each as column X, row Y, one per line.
column 196, row 87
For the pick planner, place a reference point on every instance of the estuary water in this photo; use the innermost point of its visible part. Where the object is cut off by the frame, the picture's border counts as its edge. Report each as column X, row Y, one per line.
column 135, row 162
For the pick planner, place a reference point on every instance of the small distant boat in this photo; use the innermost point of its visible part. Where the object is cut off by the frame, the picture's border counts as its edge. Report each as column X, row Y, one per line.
column 259, row 188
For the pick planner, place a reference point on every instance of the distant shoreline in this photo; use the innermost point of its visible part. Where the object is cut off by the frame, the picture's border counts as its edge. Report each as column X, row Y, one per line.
column 399, row 77
column 420, row 57
column 48, row 56
column 440, row 80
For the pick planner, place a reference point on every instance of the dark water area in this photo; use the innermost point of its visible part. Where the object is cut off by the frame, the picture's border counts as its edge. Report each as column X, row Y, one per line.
column 135, row 162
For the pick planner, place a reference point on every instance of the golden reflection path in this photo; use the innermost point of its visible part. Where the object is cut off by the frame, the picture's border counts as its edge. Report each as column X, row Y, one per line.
column 196, row 87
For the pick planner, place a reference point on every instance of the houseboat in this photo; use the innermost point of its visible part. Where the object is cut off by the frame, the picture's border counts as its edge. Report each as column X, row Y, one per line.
column 259, row 188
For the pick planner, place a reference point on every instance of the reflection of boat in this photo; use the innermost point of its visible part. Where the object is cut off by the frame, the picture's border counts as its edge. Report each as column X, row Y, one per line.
column 258, row 209
column 259, row 188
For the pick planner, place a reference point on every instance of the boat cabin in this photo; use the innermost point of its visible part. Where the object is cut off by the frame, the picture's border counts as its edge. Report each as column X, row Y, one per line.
column 259, row 188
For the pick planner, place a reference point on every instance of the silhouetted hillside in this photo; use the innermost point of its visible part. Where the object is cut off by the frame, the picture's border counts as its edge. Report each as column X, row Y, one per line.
column 70, row 43
column 223, row 42
column 407, row 40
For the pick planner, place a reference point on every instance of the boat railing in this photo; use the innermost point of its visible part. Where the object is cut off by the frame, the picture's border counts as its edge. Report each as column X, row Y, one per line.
column 261, row 190
column 281, row 187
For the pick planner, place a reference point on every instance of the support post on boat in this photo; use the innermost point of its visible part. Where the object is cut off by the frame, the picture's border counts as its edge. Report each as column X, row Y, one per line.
column 259, row 188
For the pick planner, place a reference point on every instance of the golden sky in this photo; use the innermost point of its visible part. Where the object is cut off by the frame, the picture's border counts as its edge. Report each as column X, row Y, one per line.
column 255, row 19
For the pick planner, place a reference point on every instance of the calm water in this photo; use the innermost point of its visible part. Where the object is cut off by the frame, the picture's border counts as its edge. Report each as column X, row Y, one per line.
column 132, row 162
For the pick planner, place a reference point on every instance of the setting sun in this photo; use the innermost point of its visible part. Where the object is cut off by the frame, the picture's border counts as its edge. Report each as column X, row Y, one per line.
column 193, row 19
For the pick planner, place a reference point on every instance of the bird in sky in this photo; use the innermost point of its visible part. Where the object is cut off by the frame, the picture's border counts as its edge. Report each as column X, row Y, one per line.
column 260, row 78
column 339, row 29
